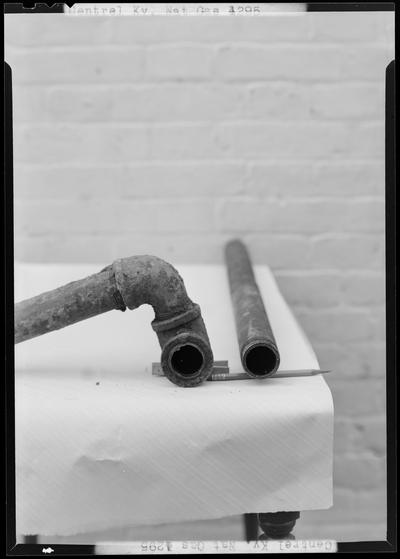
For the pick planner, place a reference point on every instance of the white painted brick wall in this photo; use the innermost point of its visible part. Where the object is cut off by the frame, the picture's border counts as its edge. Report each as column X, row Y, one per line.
column 169, row 135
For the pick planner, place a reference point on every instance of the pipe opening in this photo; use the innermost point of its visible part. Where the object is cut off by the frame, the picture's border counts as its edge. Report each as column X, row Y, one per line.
column 187, row 360
column 260, row 360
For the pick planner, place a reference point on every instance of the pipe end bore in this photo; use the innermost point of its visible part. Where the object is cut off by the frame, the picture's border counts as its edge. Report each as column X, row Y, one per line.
column 187, row 360
column 261, row 360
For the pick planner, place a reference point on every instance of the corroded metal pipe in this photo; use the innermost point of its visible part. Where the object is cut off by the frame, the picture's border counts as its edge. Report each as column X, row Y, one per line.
column 186, row 357
column 258, row 350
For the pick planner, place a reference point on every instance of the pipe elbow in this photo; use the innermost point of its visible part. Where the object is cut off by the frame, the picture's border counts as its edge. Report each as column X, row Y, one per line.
column 150, row 280
column 186, row 357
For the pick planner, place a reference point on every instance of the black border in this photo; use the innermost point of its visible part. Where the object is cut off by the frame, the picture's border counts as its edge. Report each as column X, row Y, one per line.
column 9, row 305
column 391, row 298
column 12, row 547
column 57, row 7
column 390, row 545
column 350, row 6
column 33, row 8
column 27, row 549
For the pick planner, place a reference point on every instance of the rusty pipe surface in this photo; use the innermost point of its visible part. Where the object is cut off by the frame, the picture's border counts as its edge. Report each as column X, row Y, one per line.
column 258, row 350
column 186, row 356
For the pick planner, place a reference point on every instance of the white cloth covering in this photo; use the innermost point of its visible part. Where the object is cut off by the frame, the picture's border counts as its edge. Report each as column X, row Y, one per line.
column 101, row 443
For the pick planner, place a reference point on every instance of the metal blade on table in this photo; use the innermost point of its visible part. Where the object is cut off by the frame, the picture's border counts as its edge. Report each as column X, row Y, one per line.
column 218, row 367
column 221, row 372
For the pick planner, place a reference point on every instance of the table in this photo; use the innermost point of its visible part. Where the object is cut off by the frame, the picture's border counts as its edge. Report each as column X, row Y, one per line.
column 101, row 443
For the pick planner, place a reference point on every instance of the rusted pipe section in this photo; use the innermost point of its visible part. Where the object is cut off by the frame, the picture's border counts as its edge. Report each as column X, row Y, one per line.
column 66, row 305
column 258, row 350
column 186, row 356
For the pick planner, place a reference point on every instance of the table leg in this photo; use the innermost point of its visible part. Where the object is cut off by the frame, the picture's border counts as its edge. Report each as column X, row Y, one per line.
column 277, row 525
column 251, row 526
column 31, row 539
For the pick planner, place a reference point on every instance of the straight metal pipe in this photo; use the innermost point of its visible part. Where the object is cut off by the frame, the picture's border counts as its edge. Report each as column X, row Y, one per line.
column 71, row 303
column 258, row 350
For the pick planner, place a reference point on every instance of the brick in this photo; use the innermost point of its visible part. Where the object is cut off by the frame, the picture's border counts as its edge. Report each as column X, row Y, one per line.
column 94, row 216
column 348, row 101
column 65, row 182
column 353, row 360
column 352, row 178
column 370, row 435
column 68, row 218
column 56, row 30
column 387, row 32
column 275, row 250
column 302, row 62
column 183, row 101
column 190, row 248
column 134, row 180
column 277, row 178
column 143, row 103
column 60, row 30
column 176, row 63
column 29, row 104
column 291, row 27
column 349, row 26
column 351, row 507
column 67, row 143
column 336, row 325
column 348, row 251
column 183, row 141
column 303, row 178
column 312, row 289
column 302, row 140
column 361, row 288
column 307, row 216
column 353, row 398
column 343, row 252
column 83, row 65
column 127, row 103
column 371, row 360
column 61, row 248
column 378, row 320
column 278, row 101
column 168, row 216
column 344, row 436
column 321, row 289
column 361, row 214
column 188, row 179
column 332, row 356
column 159, row 29
column 78, row 104
column 359, row 472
